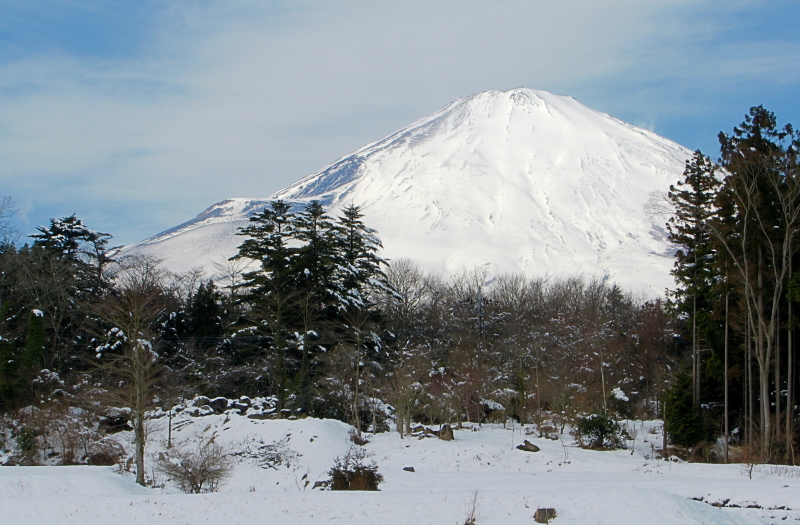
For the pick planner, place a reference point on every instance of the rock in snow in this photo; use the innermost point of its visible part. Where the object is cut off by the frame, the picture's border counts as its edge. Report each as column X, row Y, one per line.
column 516, row 181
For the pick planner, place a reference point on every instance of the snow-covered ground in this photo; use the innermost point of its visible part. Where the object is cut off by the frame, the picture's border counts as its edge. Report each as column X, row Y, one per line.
column 481, row 464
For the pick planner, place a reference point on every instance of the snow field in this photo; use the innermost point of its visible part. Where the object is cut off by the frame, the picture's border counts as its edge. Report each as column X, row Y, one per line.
column 584, row 486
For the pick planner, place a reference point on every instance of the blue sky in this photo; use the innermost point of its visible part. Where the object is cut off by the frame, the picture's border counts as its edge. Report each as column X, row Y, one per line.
column 137, row 115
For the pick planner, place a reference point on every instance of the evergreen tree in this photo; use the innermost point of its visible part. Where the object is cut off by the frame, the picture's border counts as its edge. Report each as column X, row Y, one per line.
column 316, row 256
column 205, row 316
column 682, row 417
column 694, row 200
column 359, row 266
column 271, row 288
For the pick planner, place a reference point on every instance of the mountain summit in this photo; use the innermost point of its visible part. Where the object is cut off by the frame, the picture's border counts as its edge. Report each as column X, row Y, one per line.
column 515, row 181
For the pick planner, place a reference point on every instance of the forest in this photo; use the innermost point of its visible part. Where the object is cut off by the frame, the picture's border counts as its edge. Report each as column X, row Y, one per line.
column 310, row 317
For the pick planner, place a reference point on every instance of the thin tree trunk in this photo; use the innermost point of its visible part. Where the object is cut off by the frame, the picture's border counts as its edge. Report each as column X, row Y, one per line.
column 727, row 422
column 778, row 383
column 750, row 411
column 356, row 415
column 169, row 428
column 603, row 384
column 790, row 386
column 763, row 360
column 695, row 360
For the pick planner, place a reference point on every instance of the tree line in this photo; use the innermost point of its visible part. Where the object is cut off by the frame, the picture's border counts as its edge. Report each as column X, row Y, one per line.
column 736, row 222
column 307, row 312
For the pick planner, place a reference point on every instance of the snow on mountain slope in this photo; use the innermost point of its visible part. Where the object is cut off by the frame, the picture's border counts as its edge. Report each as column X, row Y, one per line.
column 516, row 181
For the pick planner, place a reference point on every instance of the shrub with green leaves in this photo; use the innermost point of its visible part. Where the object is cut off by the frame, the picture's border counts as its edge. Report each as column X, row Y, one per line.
column 600, row 431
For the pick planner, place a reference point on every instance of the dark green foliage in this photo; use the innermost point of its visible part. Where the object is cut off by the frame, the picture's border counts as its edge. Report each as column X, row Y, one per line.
column 68, row 239
column 205, row 316
column 26, row 441
column 33, row 355
column 695, row 269
column 682, row 417
column 600, row 431
column 310, row 292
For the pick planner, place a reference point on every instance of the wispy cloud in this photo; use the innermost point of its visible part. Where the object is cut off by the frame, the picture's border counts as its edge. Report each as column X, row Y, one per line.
column 204, row 100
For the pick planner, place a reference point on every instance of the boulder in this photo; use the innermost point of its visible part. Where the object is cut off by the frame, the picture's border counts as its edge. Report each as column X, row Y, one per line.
column 261, row 415
column 201, row 401
column 114, row 423
column 544, row 515
column 241, row 407
column 528, row 447
column 201, row 411
column 409, row 469
column 105, row 452
column 446, row 433
column 218, row 404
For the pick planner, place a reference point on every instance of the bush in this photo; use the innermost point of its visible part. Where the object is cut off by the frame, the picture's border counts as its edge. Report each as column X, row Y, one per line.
column 353, row 473
column 197, row 470
column 600, row 431
column 28, row 445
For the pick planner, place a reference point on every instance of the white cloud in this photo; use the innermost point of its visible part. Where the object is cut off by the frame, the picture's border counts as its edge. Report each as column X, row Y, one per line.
column 242, row 98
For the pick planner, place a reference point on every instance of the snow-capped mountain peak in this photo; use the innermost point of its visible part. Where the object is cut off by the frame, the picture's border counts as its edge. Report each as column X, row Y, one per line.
column 515, row 181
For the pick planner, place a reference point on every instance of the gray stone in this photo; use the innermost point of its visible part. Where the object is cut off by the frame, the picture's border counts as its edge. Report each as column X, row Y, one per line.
column 446, row 433
column 544, row 515
column 528, row 447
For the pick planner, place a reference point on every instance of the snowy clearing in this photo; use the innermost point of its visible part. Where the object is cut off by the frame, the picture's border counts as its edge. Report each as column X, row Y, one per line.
column 481, row 464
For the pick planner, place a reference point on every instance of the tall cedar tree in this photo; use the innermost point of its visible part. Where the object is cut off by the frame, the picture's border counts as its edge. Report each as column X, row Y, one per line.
column 761, row 191
column 270, row 289
column 694, row 200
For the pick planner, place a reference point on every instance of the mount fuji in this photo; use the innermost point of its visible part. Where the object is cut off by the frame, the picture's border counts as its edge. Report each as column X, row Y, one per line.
column 516, row 181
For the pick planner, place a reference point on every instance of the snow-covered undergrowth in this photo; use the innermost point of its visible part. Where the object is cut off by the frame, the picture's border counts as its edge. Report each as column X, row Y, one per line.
column 584, row 486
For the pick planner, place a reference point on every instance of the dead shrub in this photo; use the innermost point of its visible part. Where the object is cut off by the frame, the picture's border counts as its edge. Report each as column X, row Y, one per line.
column 197, row 470
column 352, row 472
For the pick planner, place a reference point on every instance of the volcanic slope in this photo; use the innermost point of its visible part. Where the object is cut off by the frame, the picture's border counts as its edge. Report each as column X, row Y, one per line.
column 517, row 181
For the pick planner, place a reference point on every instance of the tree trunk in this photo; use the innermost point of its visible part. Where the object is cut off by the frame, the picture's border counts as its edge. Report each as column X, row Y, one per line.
column 727, row 428
column 750, row 410
column 777, row 384
column 790, row 384
column 695, row 357
column 138, row 441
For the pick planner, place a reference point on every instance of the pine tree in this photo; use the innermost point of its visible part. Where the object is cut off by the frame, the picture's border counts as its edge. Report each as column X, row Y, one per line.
column 359, row 266
column 694, row 200
column 314, row 264
column 71, row 242
column 271, row 288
